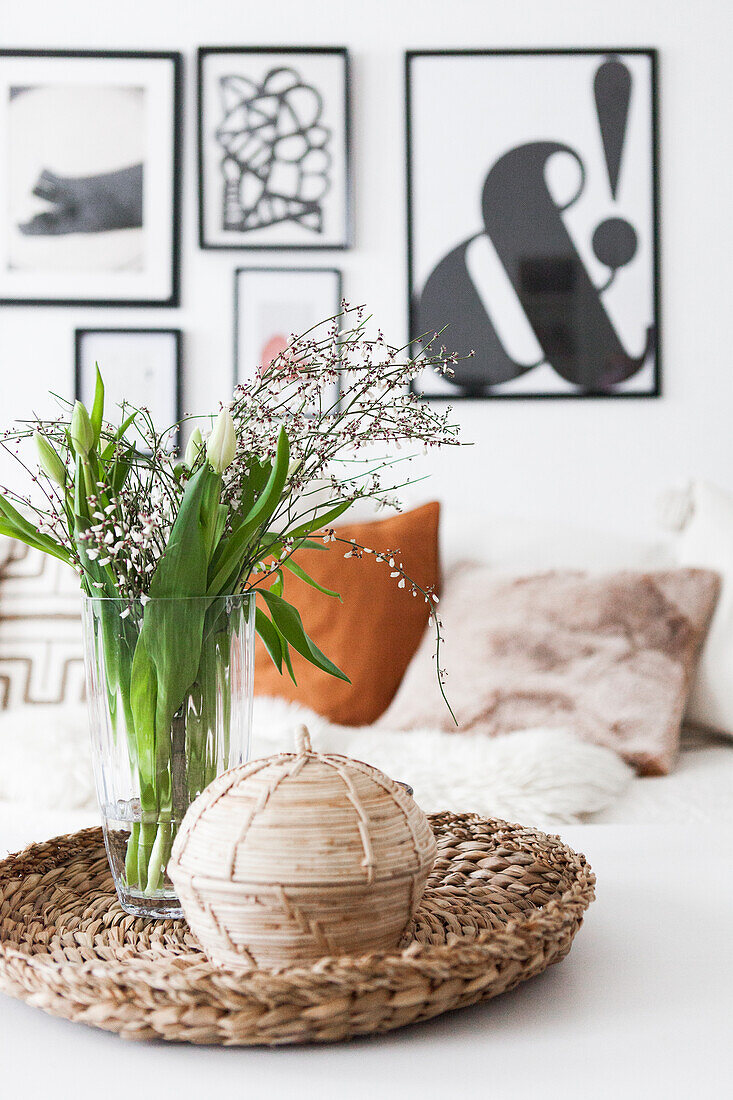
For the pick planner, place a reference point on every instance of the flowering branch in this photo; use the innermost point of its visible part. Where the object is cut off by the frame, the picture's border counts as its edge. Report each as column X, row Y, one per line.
column 160, row 538
column 397, row 572
column 298, row 445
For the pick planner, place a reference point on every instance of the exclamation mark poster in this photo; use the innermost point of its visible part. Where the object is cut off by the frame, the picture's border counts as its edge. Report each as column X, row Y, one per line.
column 532, row 221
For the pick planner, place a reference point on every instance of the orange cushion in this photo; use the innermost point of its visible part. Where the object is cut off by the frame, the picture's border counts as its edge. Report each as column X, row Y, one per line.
column 373, row 634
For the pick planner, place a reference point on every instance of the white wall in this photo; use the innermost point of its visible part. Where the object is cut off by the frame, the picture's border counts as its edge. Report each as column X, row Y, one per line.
column 597, row 461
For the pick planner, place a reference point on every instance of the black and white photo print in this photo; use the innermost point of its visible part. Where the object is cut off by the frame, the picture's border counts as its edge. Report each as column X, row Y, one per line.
column 532, row 220
column 88, row 178
column 273, row 148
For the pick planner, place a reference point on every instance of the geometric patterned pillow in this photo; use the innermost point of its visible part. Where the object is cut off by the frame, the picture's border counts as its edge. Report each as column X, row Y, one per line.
column 41, row 652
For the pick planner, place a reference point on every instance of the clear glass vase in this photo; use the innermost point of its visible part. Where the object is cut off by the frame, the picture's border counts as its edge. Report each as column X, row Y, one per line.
column 169, row 685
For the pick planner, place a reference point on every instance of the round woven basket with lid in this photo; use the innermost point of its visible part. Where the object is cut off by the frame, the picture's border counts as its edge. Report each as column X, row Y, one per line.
column 296, row 856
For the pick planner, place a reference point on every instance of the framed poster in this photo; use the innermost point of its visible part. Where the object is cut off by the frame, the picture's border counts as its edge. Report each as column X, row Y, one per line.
column 271, row 304
column 89, row 204
column 140, row 366
column 274, row 160
column 532, row 220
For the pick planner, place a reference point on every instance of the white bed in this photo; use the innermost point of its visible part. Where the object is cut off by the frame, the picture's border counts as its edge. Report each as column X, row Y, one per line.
column 699, row 790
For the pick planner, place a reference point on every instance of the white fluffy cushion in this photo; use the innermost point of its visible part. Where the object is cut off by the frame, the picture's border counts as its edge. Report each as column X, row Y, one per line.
column 540, row 777
column 46, row 757
column 703, row 515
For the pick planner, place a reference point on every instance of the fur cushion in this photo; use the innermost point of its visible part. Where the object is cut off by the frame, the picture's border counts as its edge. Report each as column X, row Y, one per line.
column 610, row 658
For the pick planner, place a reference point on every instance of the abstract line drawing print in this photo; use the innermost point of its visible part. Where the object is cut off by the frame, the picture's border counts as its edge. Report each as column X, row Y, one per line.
column 276, row 161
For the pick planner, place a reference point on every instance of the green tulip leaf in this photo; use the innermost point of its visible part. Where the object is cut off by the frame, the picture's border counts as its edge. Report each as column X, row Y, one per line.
column 98, row 407
column 287, row 620
column 298, row 571
column 270, row 638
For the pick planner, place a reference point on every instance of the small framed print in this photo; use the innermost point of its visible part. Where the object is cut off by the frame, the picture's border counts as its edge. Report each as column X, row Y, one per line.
column 533, row 235
column 274, row 159
column 271, row 304
column 89, row 179
column 139, row 366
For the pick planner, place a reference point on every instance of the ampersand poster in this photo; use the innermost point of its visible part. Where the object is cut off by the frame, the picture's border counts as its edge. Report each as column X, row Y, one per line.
column 532, row 211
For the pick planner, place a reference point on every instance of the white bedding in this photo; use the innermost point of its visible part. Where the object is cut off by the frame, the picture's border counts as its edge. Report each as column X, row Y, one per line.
column 540, row 777
column 699, row 790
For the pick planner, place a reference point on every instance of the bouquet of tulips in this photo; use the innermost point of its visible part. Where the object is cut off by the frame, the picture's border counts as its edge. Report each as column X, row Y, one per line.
column 160, row 538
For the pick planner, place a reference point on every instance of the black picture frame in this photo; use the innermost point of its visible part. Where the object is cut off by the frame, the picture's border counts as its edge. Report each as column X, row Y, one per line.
column 287, row 270
column 177, row 76
column 341, row 52
column 80, row 334
column 652, row 53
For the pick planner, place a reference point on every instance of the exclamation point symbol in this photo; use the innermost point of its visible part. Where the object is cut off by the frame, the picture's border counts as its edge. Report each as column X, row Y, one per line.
column 612, row 90
column 614, row 240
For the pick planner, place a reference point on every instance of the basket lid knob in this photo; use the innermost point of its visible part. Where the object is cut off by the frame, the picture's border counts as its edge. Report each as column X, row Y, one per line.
column 303, row 741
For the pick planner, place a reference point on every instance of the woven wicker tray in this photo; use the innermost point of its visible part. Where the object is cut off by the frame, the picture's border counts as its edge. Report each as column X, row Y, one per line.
column 502, row 904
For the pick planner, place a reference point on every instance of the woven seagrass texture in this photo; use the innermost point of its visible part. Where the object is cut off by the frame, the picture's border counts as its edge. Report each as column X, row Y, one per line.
column 299, row 855
column 502, row 903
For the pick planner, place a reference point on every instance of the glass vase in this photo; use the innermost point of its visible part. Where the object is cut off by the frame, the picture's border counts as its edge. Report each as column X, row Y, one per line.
column 169, row 684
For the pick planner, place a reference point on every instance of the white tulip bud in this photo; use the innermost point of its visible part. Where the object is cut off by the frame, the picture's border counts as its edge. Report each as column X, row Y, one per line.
column 194, row 446
column 82, row 432
column 49, row 460
column 221, row 445
column 294, row 467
